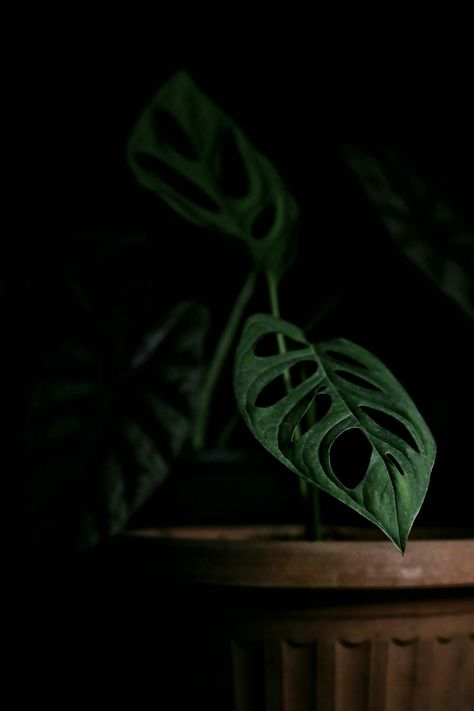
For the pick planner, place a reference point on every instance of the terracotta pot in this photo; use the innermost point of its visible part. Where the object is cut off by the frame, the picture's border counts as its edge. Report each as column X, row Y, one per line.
column 280, row 624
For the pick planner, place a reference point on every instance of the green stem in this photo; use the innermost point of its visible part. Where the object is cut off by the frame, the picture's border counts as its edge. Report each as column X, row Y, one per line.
column 227, row 430
column 275, row 306
column 218, row 360
column 314, row 532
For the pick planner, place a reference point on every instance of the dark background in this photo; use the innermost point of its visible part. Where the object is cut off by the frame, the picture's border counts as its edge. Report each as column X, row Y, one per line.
column 76, row 100
column 79, row 204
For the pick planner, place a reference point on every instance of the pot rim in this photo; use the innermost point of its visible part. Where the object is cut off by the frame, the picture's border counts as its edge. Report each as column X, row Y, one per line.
column 274, row 557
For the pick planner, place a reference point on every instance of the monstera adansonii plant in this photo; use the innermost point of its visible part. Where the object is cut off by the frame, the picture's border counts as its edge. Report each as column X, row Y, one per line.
column 187, row 151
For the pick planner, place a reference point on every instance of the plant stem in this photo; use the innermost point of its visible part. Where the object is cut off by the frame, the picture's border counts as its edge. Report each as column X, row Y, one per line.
column 314, row 531
column 227, row 431
column 275, row 306
column 220, row 354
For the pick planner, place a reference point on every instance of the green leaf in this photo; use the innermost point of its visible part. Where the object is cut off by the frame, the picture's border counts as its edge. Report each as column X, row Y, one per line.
column 359, row 394
column 106, row 420
column 421, row 223
column 186, row 150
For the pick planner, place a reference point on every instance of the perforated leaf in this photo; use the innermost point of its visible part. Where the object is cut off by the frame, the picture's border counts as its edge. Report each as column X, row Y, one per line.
column 353, row 392
column 186, row 150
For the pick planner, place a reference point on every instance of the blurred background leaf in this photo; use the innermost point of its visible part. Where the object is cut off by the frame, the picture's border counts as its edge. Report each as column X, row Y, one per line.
column 189, row 152
column 112, row 394
column 421, row 223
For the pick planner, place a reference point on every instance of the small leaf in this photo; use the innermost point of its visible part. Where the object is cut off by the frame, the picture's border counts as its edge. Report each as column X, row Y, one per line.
column 186, row 150
column 360, row 394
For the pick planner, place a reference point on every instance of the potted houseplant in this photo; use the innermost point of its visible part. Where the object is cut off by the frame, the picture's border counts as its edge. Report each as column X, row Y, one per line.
column 268, row 616
column 353, row 629
column 329, row 389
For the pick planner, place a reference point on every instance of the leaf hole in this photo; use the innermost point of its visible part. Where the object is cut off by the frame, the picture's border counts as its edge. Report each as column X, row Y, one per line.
column 357, row 380
column 168, row 130
column 392, row 424
column 300, row 372
column 274, row 391
column 277, row 388
column 233, row 179
column 322, row 405
column 267, row 345
column 345, row 359
column 264, row 221
column 178, row 182
column 319, row 407
column 294, row 424
column 395, row 463
column 350, row 456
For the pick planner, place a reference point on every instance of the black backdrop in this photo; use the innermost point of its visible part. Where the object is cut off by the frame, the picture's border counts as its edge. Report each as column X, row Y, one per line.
column 75, row 102
column 76, row 107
